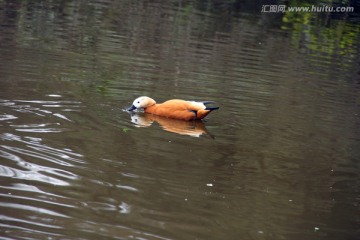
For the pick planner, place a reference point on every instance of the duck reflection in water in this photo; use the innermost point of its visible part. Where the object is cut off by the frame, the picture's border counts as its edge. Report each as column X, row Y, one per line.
column 194, row 128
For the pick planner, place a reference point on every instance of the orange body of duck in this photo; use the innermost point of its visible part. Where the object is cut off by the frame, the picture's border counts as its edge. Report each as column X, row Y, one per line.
column 175, row 108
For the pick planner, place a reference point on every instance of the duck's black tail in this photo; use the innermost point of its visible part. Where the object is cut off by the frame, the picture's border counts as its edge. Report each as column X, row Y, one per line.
column 211, row 108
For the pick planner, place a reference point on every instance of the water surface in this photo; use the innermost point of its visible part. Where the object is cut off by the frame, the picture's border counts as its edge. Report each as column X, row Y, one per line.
column 278, row 160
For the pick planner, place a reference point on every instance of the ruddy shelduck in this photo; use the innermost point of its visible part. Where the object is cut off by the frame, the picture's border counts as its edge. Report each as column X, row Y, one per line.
column 175, row 108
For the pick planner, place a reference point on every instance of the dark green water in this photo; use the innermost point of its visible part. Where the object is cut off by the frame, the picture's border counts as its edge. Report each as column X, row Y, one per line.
column 280, row 159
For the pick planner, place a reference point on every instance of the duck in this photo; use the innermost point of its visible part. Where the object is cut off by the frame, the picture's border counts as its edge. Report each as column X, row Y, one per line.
column 174, row 108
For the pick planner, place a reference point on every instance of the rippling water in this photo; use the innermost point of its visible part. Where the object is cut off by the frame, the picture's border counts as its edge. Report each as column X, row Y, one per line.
column 278, row 160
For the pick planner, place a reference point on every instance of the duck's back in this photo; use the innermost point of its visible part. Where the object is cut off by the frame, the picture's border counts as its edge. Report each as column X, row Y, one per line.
column 179, row 109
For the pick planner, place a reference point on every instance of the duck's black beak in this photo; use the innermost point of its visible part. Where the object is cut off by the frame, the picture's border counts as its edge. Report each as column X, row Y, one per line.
column 131, row 108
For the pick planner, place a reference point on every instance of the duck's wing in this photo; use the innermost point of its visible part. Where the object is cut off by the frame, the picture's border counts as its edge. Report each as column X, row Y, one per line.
column 186, row 110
